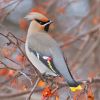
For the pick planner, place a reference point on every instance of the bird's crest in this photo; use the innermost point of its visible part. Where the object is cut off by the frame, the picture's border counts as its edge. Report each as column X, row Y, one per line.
column 36, row 14
column 38, row 11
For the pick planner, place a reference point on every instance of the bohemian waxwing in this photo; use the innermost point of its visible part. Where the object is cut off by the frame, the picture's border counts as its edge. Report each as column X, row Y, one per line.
column 43, row 51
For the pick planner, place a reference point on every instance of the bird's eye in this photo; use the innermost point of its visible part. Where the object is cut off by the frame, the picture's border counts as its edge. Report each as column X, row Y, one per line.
column 40, row 22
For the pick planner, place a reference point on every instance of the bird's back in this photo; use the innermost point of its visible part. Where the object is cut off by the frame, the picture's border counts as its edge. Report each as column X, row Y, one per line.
column 42, row 42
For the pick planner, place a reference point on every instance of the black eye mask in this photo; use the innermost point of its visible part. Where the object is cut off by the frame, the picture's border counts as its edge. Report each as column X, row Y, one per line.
column 41, row 22
column 46, row 28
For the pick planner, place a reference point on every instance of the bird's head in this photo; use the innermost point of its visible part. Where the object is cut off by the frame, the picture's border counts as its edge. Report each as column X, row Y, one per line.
column 39, row 21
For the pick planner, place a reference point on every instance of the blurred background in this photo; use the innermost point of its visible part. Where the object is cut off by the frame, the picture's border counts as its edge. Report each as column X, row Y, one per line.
column 76, row 28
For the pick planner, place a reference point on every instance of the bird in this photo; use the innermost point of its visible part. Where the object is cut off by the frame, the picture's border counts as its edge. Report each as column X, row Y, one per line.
column 43, row 51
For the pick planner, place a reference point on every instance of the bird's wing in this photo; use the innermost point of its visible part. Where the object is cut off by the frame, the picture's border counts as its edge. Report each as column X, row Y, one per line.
column 46, row 46
column 41, row 43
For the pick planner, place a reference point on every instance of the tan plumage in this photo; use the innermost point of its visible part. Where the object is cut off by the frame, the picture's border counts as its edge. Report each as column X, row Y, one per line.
column 39, row 41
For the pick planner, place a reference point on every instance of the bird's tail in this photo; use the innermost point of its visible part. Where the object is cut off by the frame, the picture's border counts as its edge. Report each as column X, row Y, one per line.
column 72, row 82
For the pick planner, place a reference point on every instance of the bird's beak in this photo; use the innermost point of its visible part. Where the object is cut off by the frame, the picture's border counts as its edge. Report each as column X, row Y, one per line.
column 48, row 23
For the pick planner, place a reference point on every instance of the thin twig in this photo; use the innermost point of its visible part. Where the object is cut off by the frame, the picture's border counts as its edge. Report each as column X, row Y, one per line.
column 17, row 44
column 17, row 74
column 12, row 60
column 26, row 76
column 16, row 37
column 93, row 9
column 32, row 90
column 1, row 62
column 16, row 95
column 93, row 30
column 81, row 49
column 7, row 13
column 91, row 49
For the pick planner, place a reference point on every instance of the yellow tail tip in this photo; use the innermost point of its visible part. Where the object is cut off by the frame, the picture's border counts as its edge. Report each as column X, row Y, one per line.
column 74, row 89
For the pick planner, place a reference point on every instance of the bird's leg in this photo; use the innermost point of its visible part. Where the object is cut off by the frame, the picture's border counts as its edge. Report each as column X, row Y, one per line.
column 51, row 81
column 53, row 85
column 45, row 78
